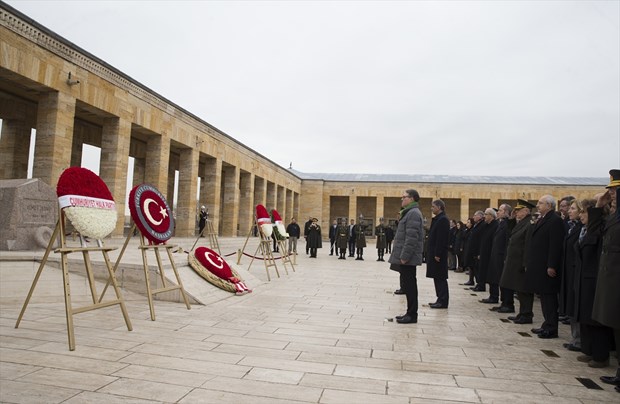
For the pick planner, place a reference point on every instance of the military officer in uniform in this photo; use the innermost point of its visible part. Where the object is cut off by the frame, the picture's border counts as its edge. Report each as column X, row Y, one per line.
column 381, row 239
column 360, row 240
column 342, row 239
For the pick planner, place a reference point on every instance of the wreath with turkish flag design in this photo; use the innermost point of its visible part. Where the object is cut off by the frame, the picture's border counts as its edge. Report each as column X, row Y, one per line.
column 151, row 213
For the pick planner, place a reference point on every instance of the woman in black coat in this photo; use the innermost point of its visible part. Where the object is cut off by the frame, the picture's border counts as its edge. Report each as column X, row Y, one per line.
column 459, row 241
column 595, row 338
column 567, row 282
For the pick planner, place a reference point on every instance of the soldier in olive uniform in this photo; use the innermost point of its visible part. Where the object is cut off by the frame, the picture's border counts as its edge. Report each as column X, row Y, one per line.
column 360, row 240
column 342, row 239
column 381, row 239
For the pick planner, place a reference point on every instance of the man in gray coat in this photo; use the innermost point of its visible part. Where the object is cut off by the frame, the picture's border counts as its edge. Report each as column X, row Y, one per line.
column 407, row 252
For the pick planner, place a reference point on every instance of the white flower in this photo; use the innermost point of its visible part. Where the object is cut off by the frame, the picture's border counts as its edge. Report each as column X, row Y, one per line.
column 92, row 222
column 267, row 229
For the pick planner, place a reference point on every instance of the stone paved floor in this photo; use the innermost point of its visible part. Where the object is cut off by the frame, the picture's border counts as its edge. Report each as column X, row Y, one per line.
column 319, row 335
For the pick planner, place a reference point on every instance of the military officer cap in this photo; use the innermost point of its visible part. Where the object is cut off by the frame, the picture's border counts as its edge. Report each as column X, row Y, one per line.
column 522, row 203
column 614, row 178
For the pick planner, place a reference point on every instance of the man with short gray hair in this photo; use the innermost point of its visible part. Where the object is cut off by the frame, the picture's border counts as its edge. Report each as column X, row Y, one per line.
column 544, row 259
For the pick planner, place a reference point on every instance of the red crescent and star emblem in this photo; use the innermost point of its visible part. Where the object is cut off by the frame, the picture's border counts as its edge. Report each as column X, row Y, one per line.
column 213, row 262
column 151, row 213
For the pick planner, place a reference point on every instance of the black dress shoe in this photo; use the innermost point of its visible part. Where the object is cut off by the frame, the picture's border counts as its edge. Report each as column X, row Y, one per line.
column 496, row 308
column 523, row 320
column 537, row 330
column 513, row 318
column 407, row 319
column 399, row 317
column 547, row 334
column 506, row 309
column 565, row 322
column 437, row 306
column 611, row 380
column 399, row 292
column 468, row 283
column 479, row 289
column 489, row 300
column 571, row 347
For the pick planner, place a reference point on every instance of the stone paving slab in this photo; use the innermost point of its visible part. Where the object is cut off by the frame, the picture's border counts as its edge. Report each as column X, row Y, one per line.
column 321, row 334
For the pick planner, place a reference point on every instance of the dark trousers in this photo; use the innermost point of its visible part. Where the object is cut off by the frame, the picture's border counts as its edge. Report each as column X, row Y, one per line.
column 494, row 291
column 550, row 305
column 389, row 247
column 596, row 341
column 507, row 296
column 441, row 290
column 409, row 284
column 332, row 243
column 313, row 252
column 526, row 304
column 351, row 247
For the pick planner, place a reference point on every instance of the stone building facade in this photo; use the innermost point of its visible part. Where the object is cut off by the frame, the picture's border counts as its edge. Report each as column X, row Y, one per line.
column 71, row 98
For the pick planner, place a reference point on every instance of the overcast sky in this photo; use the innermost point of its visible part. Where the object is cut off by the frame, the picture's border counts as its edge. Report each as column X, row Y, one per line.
column 455, row 88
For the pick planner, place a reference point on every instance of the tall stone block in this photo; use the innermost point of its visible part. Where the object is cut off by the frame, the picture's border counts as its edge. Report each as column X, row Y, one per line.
column 246, row 203
column 212, row 179
column 188, row 188
column 55, row 120
column 14, row 149
column 230, row 200
column 115, row 139
column 157, row 161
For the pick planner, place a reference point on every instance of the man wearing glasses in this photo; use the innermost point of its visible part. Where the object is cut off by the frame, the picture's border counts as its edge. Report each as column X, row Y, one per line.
column 407, row 252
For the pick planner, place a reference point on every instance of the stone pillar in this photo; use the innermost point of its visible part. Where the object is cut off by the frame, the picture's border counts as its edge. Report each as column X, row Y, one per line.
column 115, row 139
column 188, row 187
column 353, row 208
column 270, row 201
column 157, row 161
column 289, row 206
column 55, row 120
column 212, row 179
column 14, row 149
column 281, row 195
column 246, row 203
column 260, row 191
column 230, row 203
column 464, row 209
column 380, row 209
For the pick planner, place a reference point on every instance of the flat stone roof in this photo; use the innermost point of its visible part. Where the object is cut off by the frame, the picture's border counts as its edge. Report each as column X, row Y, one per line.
column 451, row 179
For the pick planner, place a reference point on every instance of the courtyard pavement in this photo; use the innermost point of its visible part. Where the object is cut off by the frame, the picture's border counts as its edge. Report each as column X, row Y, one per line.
column 321, row 334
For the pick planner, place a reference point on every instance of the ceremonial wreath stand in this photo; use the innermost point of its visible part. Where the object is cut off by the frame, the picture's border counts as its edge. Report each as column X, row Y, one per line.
column 64, row 251
column 264, row 245
column 213, row 241
column 144, row 248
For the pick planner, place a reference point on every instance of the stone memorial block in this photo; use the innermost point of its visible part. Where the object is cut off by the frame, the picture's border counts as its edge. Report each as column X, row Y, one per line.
column 28, row 215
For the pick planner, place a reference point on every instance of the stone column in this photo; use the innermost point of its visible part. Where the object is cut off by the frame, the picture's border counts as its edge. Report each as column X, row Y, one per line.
column 230, row 203
column 14, row 149
column 188, row 187
column 115, row 139
column 380, row 209
column 270, row 201
column 260, row 191
column 157, row 161
column 246, row 203
column 281, row 195
column 55, row 120
column 289, row 206
column 353, row 208
column 465, row 209
column 212, row 179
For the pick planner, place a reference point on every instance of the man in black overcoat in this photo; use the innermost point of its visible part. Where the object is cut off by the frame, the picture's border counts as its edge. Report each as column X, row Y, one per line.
column 544, row 260
column 496, row 265
column 486, row 246
column 437, row 254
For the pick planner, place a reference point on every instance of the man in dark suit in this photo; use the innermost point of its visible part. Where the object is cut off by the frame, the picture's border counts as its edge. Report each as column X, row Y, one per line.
column 437, row 254
column 496, row 265
column 543, row 263
column 352, row 238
